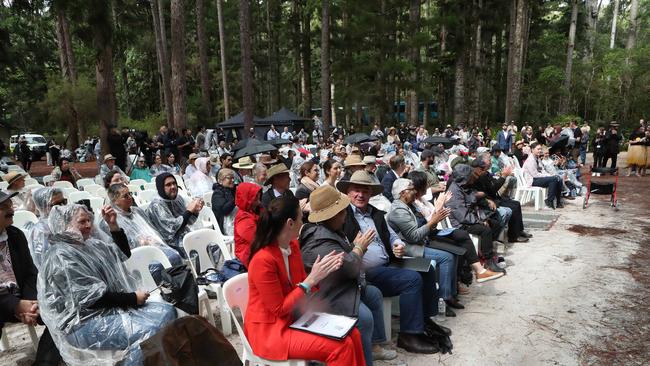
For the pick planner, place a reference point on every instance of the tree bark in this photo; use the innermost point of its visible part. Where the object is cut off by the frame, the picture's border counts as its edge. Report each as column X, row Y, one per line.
column 592, row 8
column 179, row 92
column 414, row 55
column 612, row 38
column 305, row 60
column 246, row 63
column 325, row 82
column 459, row 88
column 204, row 70
column 634, row 25
column 66, row 58
column 518, row 32
column 566, row 98
column 158, row 17
column 222, row 50
column 273, row 17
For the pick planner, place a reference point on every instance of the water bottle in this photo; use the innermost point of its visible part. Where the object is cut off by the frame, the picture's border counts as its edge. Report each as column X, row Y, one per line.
column 442, row 307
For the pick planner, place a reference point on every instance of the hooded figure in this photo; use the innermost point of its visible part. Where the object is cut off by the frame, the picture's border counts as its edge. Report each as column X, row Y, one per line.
column 39, row 235
column 169, row 216
column 200, row 181
column 247, row 199
column 86, row 296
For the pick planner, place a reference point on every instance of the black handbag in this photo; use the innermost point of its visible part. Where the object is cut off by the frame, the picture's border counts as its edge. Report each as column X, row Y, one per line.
column 178, row 287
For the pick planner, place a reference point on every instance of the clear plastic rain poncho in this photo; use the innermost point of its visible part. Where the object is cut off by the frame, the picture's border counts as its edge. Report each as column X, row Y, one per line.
column 39, row 233
column 166, row 216
column 75, row 274
column 200, row 182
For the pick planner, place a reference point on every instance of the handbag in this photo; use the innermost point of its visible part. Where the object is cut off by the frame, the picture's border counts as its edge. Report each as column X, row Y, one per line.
column 232, row 268
column 178, row 287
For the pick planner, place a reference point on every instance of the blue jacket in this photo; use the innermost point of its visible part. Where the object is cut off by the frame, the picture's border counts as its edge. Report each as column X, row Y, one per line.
column 505, row 143
column 387, row 182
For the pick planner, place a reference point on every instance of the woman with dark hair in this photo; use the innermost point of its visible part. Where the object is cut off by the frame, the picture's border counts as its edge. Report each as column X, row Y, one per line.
column 332, row 169
column 309, row 173
column 113, row 177
column 171, row 162
column 64, row 171
column 278, row 285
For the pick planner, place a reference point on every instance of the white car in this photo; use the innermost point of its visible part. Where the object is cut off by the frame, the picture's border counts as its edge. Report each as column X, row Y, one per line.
column 35, row 142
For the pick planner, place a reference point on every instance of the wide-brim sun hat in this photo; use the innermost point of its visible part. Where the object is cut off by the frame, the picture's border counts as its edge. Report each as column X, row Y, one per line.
column 275, row 171
column 13, row 177
column 353, row 160
column 244, row 163
column 4, row 196
column 326, row 202
column 362, row 178
column 109, row 157
column 369, row 159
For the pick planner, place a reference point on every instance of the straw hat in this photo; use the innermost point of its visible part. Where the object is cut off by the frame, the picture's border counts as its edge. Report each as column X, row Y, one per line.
column 267, row 160
column 353, row 160
column 275, row 170
column 13, row 177
column 192, row 157
column 326, row 202
column 108, row 157
column 362, row 178
column 244, row 163
column 369, row 159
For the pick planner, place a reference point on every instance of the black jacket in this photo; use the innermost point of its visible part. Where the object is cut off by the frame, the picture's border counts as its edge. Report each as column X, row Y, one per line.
column 612, row 142
column 340, row 292
column 223, row 202
column 302, row 192
column 24, row 270
column 490, row 186
column 269, row 196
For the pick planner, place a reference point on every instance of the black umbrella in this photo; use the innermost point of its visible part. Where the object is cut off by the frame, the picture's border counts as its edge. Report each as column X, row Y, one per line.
column 559, row 144
column 243, row 143
column 278, row 142
column 358, row 138
column 254, row 148
column 435, row 140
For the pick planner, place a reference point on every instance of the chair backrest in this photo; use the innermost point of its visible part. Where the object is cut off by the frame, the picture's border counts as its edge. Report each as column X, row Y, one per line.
column 62, row 184
column 23, row 217
column 180, row 182
column 96, row 203
column 79, row 195
column 30, row 181
column 138, row 182
column 147, row 195
column 143, row 205
column 184, row 196
column 84, row 182
column 198, row 241
column 68, row 190
column 4, row 185
column 207, row 199
column 134, row 188
column 235, row 294
column 148, row 186
column 47, row 180
column 92, row 188
column 138, row 265
column 31, row 187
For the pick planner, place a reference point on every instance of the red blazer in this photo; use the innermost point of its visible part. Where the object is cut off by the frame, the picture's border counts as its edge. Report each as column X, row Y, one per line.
column 272, row 299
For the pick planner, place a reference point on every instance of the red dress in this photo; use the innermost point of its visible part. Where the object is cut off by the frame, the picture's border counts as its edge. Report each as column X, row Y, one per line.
column 271, row 301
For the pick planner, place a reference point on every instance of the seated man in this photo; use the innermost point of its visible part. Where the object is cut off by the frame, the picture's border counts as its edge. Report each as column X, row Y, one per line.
column 558, row 165
column 398, row 169
column 535, row 176
column 416, row 291
column 18, row 286
column 499, row 163
column 109, row 166
column 169, row 214
column 427, row 165
column 279, row 179
column 490, row 186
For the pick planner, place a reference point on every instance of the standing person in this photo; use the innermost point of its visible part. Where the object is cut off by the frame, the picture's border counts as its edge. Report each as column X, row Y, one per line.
column 598, row 144
column 277, row 283
column 504, row 138
column 25, row 154
column 612, row 145
column 584, row 143
column 18, row 293
column 199, row 145
column 636, row 152
column 185, row 145
column 116, row 148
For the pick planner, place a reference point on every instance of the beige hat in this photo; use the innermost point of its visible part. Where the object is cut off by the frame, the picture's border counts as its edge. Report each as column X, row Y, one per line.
column 214, row 159
column 326, row 202
column 400, row 185
column 267, row 160
column 369, row 159
column 362, row 178
column 13, row 177
column 244, row 163
column 108, row 157
column 193, row 156
column 353, row 160
column 275, row 170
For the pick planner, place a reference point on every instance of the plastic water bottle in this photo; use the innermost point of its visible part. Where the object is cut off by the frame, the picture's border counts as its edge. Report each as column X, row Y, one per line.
column 442, row 307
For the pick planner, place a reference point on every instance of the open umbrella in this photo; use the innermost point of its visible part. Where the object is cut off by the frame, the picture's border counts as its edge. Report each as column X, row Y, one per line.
column 253, row 147
column 559, row 144
column 278, row 142
column 358, row 138
column 246, row 142
column 435, row 140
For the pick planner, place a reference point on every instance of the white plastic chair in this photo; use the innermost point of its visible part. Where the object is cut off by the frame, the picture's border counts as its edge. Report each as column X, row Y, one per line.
column 79, row 195
column 147, row 196
column 138, row 182
column 180, row 182
column 207, row 199
column 143, row 205
column 93, row 188
column 23, row 217
column 4, row 185
column 207, row 219
column 134, row 188
column 81, row 183
column 4, row 340
column 199, row 241
column 138, row 266
column 62, row 184
column 235, row 293
column 67, row 191
column 30, row 181
column 148, row 186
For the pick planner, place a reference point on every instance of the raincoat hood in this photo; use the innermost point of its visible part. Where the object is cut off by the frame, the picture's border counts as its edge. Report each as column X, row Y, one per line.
column 42, row 198
column 160, row 184
column 245, row 196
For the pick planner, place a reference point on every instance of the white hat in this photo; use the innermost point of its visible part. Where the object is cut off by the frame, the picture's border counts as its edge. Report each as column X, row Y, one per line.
column 400, row 185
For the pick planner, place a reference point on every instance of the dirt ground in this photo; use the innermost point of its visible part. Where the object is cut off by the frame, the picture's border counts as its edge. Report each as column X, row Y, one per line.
column 577, row 294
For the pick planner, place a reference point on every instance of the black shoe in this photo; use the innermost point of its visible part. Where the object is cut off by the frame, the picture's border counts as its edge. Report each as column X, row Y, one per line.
column 520, row 239
column 416, row 343
column 491, row 264
column 559, row 205
column 549, row 204
column 449, row 313
column 455, row 304
column 431, row 327
column 526, row 235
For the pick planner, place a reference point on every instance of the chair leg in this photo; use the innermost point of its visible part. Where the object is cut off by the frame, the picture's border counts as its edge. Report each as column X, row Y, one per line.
column 205, row 303
column 33, row 336
column 388, row 303
column 4, row 342
column 226, row 323
column 537, row 200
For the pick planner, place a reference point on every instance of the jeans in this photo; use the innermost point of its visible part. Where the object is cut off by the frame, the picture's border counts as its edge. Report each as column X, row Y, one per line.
column 416, row 293
column 583, row 155
column 553, row 184
column 505, row 213
column 371, row 320
column 122, row 329
column 447, row 271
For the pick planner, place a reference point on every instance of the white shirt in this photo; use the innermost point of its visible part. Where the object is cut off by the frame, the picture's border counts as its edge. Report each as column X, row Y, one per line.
column 286, row 135
column 285, row 256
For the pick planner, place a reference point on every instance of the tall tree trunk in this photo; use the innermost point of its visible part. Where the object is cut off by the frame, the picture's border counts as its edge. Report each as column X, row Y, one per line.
column 273, row 17
column 414, row 55
column 442, row 78
column 206, row 104
column 179, row 91
column 518, row 31
column 325, row 78
column 305, row 59
column 629, row 46
column 246, row 63
column 612, row 38
column 634, row 25
column 592, row 8
column 163, row 60
column 222, row 51
column 66, row 57
column 459, row 88
column 566, row 98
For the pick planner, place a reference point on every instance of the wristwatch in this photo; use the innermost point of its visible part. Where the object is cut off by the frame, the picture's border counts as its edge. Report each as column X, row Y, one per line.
column 305, row 287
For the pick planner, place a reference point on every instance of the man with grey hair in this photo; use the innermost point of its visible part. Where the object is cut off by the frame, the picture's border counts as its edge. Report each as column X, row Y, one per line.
column 259, row 174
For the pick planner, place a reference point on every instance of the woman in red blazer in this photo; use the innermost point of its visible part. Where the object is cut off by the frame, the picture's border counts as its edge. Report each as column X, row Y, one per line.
column 278, row 286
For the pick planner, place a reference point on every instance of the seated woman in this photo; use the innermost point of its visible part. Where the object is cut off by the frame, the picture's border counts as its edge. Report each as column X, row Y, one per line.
column 402, row 218
column 248, row 199
column 140, row 170
column 113, row 177
column 309, row 173
column 158, row 167
column 223, row 200
column 338, row 293
column 85, row 294
column 39, row 234
column 332, row 170
column 65, row 172
column 277, row 287
column 200, row 182
column 175, row 168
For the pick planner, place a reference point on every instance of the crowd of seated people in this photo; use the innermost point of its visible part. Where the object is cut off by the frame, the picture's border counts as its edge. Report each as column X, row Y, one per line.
column 339, row 229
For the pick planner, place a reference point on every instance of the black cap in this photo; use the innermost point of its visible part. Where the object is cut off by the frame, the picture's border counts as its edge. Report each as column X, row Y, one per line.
column 6, row 196
column 496, row 148
column 426, row 154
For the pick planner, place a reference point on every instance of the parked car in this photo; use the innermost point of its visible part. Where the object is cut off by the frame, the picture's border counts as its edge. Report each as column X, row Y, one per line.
column 35, row 142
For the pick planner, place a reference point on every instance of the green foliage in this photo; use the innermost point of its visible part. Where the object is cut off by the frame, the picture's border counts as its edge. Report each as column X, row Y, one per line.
column 64, row 102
